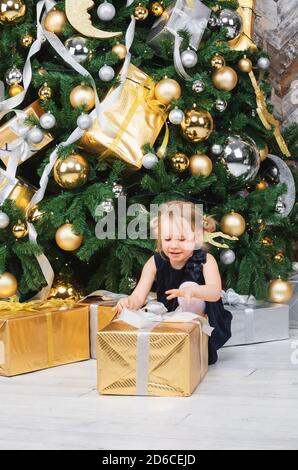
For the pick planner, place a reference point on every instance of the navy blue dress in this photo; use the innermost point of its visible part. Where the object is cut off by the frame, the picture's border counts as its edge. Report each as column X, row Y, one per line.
column 168, row 277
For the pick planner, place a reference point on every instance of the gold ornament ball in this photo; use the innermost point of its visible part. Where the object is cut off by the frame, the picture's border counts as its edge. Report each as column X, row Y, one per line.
column 225, row 78
column 217, row 62
column 200, row 165
column 11, row 11
column 8, row 285
column 20, row 230
column 264, row 153
column 179, row 162
column 26, row 40
column 120, row 50
column 34, row 214
column 55, row 21
column 82, row 95
column 197, row 124
column 15, row 89
column 141, row 12
column 156, row 9
column 45, row 92
column 279, row 257
column 167, row 90
column 245, row 64
column 67, row 239
column 64, row 290
column 262, row 185
column 267, row 241
column 71, row 172
column 233, row 224
column 280, row 291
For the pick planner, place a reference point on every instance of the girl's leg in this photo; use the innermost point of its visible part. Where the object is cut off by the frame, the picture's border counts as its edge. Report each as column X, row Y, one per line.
column 195, row 305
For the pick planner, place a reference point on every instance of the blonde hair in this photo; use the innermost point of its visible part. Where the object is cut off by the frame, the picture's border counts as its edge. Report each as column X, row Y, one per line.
column 198, row 222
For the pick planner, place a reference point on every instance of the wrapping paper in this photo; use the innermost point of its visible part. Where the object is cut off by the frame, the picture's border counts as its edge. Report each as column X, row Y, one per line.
column 135, row 119
column 34, row 340
column 165, row 357
column 293, row 302
column 16, row 190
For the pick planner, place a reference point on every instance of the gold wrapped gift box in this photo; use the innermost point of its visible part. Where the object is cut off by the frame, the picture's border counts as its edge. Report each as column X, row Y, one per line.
column 134, row 120
column 34, row 340
column 8, row 136
column 16, row 190
column 178, row 359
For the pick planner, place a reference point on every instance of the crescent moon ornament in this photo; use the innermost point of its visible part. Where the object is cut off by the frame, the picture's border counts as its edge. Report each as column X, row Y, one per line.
column 79, row 18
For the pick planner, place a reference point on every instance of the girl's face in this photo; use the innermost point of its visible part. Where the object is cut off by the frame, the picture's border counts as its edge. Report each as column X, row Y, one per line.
column 178, row 240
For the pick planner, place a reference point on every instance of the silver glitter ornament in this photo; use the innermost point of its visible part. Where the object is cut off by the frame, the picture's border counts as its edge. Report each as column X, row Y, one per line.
column 84, row 121
column 198, row 86
column 47, row 121
column 106, row 73
column 76, row 46
column 118, row 190
column 13, row 76
column 149, row 161
column 227, row 256
column 106, row 11
column 176, row 116
column 220, row 105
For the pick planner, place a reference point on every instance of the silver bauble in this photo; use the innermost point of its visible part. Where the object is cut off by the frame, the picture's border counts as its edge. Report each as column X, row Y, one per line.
column 220, row 105
column 35, row 135
column 149, row 161
column 295, row 266
column 4, row 220
column 106, row 73
column 47, row 121
column 263, row 63
column 13, row 76
column 189, row 58
column 76, row 45
column 106, row 11
column 213, row 22
column 176, row 116
column 232, row 21
column 227, row 256
column 217, row 149
column 241, row 157
column 105, row 206
column 84, row 121
column 198, row 86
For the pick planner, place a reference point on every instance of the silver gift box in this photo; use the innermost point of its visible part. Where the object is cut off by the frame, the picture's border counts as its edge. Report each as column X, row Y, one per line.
column 293, row 303
column 258, row 323
column 189, row 15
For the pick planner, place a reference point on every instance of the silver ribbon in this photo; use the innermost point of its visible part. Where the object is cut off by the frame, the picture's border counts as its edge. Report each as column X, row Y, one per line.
column 145, row 320
column 231, row 297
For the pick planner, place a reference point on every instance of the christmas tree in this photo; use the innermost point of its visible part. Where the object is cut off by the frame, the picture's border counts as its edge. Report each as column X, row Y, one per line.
column 151, row 101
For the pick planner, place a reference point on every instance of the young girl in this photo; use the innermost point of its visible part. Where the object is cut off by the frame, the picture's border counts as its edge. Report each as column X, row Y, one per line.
column 183, row 273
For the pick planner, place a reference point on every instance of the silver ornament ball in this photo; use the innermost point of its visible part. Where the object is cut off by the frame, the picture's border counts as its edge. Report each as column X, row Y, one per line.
column 220, row 105
column 241, row 157
column 217, row 149
column 47, row 121
column 118, row 190
column 232, row 21
column 227, row 256
column 213, row 22
column 35, row 135
column 106, row 206
column 76, row 46
column 263, row 63
column 189, row 58
column 84, row 121
column 176, row 116
column 149, row 161
column 4, row 220
column 295, row 266
column 198, row 86
column 106, row 73
column 13, row 76
column 106, row 11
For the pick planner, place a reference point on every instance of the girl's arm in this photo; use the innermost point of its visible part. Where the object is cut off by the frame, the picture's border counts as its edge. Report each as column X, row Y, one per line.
column 210, row 292
column 138, row 297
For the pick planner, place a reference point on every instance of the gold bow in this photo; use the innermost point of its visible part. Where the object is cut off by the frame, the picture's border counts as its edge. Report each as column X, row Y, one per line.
column 14, row 306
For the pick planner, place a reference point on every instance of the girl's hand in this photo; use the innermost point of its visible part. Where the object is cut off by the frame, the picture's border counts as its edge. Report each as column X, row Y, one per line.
column 127, row 302
column 187, row 292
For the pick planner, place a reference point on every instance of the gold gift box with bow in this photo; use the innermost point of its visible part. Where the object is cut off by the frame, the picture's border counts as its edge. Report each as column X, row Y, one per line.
column 178, row 359
column 16, row 190
column 34, row 338
column 134, row 120
column 7, row 135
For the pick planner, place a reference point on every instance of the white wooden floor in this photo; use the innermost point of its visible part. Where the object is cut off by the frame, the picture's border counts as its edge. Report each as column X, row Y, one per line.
column 249, row 400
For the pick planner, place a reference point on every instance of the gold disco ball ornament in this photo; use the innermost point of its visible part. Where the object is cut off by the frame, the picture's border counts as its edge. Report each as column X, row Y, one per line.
column 141, row 12
column 55, row 21
column 71, row 172
column 82, row 96
column 280, row 291
column 233, row 224
column 217, row 62
column 67, row 239
column 45, row 92
column 156, row 9
column 20, row 230
column 200, row 165
column 34, row 214
column 225, row 78
column 64, row 290
column 11, row 11
column 167, row 90
column 8, row 285
column 26, row 40
column 179, row 162
column 197, row 124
